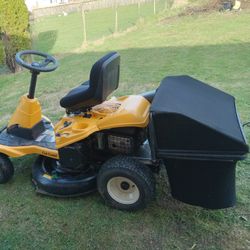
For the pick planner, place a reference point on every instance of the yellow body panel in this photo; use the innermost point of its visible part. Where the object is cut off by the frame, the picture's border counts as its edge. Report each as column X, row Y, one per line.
column 28, row 113
column 127, row 111
column 28, row 150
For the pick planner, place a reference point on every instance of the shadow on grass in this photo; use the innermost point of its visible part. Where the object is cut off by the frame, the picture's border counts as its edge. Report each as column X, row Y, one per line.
column 47, row 40
column 166, row 224
column 4, row 69
column 223, row 65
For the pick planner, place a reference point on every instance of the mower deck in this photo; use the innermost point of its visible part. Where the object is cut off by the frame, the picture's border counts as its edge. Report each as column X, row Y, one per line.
column 17, row 146
column 45, row 140
column 48, row 182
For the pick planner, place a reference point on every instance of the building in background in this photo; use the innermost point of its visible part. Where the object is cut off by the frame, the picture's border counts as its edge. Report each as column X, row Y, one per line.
column 31, row 4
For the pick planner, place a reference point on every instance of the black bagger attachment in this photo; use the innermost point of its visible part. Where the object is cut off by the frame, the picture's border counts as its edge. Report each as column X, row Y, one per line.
column 195, row 129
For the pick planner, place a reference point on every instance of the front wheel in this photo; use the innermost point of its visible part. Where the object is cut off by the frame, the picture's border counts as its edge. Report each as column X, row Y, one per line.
column 6, row 169
column 125, row 183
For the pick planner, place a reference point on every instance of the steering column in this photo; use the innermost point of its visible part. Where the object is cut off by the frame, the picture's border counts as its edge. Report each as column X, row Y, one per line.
column 27, row 121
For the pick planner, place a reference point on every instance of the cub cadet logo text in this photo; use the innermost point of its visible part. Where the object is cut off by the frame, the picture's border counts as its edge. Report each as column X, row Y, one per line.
column 48, row 154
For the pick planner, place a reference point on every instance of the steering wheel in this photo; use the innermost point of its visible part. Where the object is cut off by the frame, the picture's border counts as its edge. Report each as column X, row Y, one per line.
column 48, row 64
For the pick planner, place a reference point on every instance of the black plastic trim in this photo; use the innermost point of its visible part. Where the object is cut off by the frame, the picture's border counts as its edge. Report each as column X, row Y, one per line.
column 29, row 134
column 149, row 95
column 212, row 155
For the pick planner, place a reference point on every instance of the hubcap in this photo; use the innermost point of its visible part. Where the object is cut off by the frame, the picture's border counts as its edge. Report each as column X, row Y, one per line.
column 123, row 190
column 125, row 185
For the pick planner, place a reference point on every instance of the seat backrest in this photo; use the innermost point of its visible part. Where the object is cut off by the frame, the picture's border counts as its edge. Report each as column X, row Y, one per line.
column 104, row 76
column 104, row 79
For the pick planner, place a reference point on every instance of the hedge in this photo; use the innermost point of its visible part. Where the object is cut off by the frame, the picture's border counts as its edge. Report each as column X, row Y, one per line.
column 14, row 28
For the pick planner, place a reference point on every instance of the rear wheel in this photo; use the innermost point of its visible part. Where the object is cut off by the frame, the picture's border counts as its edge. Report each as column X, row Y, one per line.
column 125, row 183
column 6, row 169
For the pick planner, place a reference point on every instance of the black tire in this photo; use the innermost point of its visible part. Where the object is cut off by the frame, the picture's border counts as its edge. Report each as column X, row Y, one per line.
column 130, row 175
column 6, row 169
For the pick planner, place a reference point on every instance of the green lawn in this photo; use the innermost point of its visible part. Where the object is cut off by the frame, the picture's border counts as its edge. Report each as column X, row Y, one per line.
column 55, row 34
column 214, row 48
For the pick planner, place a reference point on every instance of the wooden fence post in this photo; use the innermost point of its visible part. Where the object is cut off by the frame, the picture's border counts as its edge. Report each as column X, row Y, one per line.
column 139, row 8
column 167, row 4
column 84, row 26
column 116, row 18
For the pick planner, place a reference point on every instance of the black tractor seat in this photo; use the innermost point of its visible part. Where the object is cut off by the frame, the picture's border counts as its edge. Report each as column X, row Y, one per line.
column 76, row 96
column 103, row 80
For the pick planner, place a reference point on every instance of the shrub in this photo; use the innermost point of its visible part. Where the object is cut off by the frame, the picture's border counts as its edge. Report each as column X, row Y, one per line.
column 14, row 25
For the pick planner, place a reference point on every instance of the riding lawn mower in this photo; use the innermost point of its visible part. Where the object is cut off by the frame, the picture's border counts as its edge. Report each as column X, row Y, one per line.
column 118, row 145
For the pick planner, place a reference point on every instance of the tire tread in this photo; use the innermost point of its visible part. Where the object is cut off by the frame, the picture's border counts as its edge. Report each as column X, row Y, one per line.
column 6, row 168
column 131, row 166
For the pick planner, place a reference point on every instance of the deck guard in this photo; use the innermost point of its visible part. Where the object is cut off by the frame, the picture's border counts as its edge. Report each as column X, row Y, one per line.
column 196, row 130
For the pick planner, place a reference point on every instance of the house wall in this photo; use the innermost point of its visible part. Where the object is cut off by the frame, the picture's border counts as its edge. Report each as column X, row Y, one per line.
column 78, row 6
column 34, row 4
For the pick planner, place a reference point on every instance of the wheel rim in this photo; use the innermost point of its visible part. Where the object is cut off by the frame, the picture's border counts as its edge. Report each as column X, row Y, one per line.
column 123, row 190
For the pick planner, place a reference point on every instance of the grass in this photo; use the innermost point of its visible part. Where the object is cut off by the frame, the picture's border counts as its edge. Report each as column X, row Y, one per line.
column 211, row 47
column 50, row 33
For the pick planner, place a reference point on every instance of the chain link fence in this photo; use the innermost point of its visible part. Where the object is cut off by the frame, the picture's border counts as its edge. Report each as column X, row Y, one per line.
column 64, row 29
